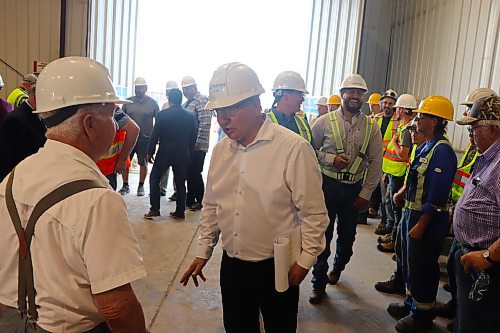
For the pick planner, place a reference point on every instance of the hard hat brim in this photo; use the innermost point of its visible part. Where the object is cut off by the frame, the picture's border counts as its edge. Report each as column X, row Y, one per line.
column 89, row 101
column 432, row 114
column 218, row 104
column 188, row 85
column 467, row 120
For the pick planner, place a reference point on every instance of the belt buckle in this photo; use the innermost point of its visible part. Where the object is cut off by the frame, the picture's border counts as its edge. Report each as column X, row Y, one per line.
column 346, row 176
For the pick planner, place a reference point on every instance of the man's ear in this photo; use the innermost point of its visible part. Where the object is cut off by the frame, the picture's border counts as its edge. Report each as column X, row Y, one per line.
column 87, row 125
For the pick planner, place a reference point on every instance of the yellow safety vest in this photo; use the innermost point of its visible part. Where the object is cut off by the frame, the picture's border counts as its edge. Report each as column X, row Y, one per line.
column 348, row 175
column 391, row 129
column 462, row 175
column 301, row 125
column 16, row 97
column 416, row 204
column 392, row 164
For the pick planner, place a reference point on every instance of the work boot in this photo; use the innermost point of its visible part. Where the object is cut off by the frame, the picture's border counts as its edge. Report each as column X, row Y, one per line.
column 384, row 239
column 196, row 206
column 382, row 229
column 398, row 310
column 163, row 192
column 446, row 310
column 140, row 191
column 410, row 324
column 124, row 190
column 177, row 216
column 372, row 213
column 333, row 276
column 151, row 214
column 387, row 247
column 317, row 295
column 390, row 287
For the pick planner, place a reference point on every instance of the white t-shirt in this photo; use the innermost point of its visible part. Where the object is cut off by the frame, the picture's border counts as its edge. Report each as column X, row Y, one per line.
column 83, row 245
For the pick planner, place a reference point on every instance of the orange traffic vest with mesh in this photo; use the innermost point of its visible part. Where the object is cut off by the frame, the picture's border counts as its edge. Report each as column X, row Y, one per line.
column 392, row 164
column 391, row 128
column 107, row 163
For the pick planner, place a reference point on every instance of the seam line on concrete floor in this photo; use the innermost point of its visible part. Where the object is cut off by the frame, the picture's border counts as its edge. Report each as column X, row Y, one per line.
column 173, row 279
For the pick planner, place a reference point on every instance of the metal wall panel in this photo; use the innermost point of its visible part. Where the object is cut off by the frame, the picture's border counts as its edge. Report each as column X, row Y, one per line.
column 76, row 28
column 334, row 46
column 29, row 31
column 454, row 49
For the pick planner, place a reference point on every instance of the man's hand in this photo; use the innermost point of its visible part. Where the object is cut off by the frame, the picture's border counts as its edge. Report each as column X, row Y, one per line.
column 194, row 271
column 474, row 260
column 296, row 275
column 385, row 179
column 399, row 198
column 361, row 203
column 418, row 230
column 341, row 161
column 395, row 138
column 197, row 146
column 121, row 163
column 150, row 159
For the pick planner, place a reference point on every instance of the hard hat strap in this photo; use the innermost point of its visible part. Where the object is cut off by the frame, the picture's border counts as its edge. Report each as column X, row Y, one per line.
column 60, row 116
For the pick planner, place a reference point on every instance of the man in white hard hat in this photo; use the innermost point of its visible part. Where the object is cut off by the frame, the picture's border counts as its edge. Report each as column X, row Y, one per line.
column 196, row 103
column 20, row 93
column 348, row 145
column 164, row 179
column 250, row 208
column 77, row 269
column 142, row 110
column 288, row 91
column 322, row 105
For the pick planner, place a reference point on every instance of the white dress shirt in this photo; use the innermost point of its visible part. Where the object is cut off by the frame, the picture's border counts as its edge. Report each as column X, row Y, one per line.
column 259, row 192
column 83, row 245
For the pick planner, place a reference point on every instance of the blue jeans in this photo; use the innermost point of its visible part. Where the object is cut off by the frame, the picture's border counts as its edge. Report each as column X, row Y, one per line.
column 339, row 200
column 395, row 184
column 420, row 262
column 476, row 316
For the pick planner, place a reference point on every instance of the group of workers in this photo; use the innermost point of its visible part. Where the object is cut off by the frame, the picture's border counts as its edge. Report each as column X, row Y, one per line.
column 72, row 276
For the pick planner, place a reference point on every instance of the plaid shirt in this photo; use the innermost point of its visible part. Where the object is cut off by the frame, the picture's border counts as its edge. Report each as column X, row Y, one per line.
column 197, row 105
column 477, row 214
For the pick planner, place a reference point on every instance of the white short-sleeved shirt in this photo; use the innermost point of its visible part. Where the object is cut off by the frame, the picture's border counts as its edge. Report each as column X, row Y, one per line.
column 81, row 246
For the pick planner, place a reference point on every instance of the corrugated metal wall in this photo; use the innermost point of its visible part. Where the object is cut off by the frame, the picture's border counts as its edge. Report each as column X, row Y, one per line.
column 29, row 31
column 446, row 47
column 76, row 28
column 334, row 45
column 112, row 37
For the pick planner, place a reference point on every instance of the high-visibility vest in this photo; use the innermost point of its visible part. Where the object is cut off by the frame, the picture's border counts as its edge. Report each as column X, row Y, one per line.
column 348, row 175
column 392, row 164
column 301, row 125
column 416, row 202
column 17, row 96
column 107, row 163
column 462, row 174
column 391, row 129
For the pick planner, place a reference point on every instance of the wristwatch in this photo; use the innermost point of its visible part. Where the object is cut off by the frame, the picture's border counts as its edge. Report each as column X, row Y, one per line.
column 486, row 256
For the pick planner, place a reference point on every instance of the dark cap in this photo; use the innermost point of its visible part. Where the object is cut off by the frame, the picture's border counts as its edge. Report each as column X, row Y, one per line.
column 486, row 108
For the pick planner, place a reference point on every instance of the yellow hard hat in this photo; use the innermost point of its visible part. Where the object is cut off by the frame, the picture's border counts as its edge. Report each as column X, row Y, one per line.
column 438, row 106
column 374, row 98
column 334, row 100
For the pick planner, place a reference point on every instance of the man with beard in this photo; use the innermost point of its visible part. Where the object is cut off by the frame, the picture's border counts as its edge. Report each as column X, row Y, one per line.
column 348, row 144
column 288, row 91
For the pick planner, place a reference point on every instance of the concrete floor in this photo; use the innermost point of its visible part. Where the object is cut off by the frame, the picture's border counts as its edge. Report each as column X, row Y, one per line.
column 169, row 246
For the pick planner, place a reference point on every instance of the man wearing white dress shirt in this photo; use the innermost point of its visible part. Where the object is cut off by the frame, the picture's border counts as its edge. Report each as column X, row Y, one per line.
column 256, row 191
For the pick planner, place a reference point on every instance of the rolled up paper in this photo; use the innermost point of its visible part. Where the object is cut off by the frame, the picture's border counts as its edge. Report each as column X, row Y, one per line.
column 281, row 263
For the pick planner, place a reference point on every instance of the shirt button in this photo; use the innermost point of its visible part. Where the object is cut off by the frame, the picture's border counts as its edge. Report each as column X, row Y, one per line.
column 237, row 214
column 240, row 192
column 235, row 235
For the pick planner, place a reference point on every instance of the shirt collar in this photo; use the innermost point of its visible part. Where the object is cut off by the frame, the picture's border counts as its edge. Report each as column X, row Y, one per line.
column 492, row 152
column 339, row 111
column 279, row 114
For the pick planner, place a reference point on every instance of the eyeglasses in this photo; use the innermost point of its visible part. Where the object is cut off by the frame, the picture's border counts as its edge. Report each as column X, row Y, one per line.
column 472, row 128
column 225, row 112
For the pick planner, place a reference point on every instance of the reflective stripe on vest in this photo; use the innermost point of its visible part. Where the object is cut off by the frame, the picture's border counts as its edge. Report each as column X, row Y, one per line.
column 392, row 164
column 348, row 176
column 16, row 97
column 387, row 137
column 301, row 125
column 107, row 163
column 462, row 175
column 421, row 169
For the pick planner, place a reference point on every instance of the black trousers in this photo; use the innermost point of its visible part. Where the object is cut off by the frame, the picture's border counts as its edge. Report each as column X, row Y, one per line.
column 247, row 288
column 112, row 180
column 180, row 174
column 195, row 185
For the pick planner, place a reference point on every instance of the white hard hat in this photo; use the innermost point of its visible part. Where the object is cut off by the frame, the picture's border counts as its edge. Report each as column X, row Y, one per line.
column 232, row 83
column 290, row 80
column 171, row 85
column 322, row 101
column 406, row 101
column 187, row 81
column 1, row 82
column 476, row 94
column 354, row 81
column 140, row 81
column 390, row 93
column 74, row 81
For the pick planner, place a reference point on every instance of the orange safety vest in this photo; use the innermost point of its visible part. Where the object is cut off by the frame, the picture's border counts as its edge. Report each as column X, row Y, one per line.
column 387, row 136
column 107, row 163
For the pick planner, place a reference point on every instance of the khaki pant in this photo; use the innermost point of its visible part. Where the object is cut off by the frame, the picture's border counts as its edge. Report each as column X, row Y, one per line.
column 11, row 321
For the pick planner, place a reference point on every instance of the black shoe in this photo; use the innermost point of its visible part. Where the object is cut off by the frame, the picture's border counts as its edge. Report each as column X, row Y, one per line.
column 177, row 216
column 173, row 197
column 317, row 295
column 163, row 193
column 390, row 287
column 196, row 206
column 410, row 324
column 333, row 276
column 398, row 310
column 446, row 310
column 451, row 325
column 362, row 219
